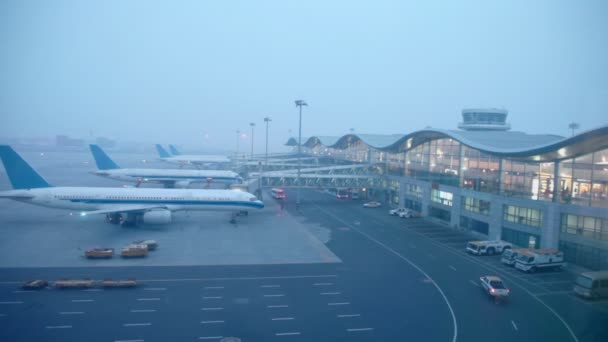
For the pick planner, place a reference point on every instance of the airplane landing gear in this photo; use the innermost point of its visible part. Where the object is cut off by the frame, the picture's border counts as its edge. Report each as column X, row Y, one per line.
column 114, row 218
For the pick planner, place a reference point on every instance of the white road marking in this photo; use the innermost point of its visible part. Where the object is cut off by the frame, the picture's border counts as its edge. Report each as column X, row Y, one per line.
column 514, row 325
column 92, row 290
column 155, row 289
column 147, row 299
column 282, row 319
column 71, row 313
column 275, row 295
column 213, row 287
column 211, row 338
column 137, row 324
column 349, row 315
column 269, row 286
column 452, row 268
column 287, row 334
column 360, row 329
column 58, row 326
column 474, row 283
column 344, row 303
column 82, row 300
column 146, row 310
column 129, row 341
column 7, row 303
column 445, row 298
column 24, row 291
column 330, row 293
column 276, row 306
column 211, row 309
column 211, row 322
column 235, row 278
column 322, row 284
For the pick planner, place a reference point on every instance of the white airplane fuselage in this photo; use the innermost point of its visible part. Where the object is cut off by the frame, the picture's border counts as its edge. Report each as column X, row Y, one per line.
column 89, row 198
column 167, row 175
column 195, row 159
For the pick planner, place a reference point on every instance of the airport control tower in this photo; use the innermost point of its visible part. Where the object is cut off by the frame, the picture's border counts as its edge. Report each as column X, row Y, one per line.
column 484, row 119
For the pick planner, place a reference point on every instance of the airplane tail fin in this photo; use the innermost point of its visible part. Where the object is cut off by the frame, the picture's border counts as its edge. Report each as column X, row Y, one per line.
column 103, row 161
column 173, row 150
column 161, row 152
column 20, row 173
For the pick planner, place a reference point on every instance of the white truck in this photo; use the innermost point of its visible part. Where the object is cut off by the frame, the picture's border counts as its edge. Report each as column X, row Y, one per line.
column 538, row 259
column 487, row 247
column 510, row 255
column 404, row 213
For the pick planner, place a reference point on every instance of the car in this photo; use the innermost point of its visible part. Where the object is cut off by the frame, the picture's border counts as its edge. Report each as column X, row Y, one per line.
column 494, row 286
column 372, row 204
column 150, row 244
column 397, row 211
column 408, row 213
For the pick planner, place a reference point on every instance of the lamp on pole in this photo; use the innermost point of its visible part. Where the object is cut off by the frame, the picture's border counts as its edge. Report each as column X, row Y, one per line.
column 266, row 120
column 299, row 103
column 238, row 137
column 252, row 126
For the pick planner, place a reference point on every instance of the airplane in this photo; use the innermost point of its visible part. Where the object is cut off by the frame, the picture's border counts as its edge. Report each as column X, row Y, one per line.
column 128, row 206
column 182, row 159
column 168, row 177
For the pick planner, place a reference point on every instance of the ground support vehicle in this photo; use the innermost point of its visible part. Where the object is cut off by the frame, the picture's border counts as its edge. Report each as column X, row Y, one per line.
column 74, row 283
column 35, row 284
column 134, row 251
column 109, row 283
column 487, row 247
column 99, row 253
column 539, row 259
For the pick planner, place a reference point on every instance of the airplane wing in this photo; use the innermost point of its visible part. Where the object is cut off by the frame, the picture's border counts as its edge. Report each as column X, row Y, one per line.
column 126, row 209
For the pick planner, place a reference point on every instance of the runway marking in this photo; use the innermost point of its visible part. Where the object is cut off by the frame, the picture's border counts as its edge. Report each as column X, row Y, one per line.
column 155, row 288
column 147, row 299
column 71, row 313
column 146, row 310
column 235, row 278
column 514, row 325
column 215, row 297
column 269, row 286
column 452, row 268
column 330, row 293
column 211, row 322
column 211, row 338
column 322, row 284
column 287, row 333
column 213, row 287
column 282, row 319
column 137, row 324
column 472, row 282
column 211, row 309
column 274, row 295
column 360, row 329
column 58, row 326
column 493, row 268
column 454, row 322
column 343, row 303
column 349, row 315
column 8, row 303
column 129, row 341
column 276, row 306
column 82, row 300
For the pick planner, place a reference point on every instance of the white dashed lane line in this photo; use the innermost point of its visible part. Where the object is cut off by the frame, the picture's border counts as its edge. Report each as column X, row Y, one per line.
column 211, row 309
column 360, row 329
column 269, row 286
column 155, row 289
column 274, row 295
column 129, row 341
column 514, row 325
column 287, row 333
column 213, row 297
column 71, row 313
column 322, row 284
column 329, row 293
column 211, row 322
column 282, row 319
column 82, row 300
column 276, row 306
column 211, row 337
column 342, row 303
column 452, row 268
column 213, row 287
column 141, row 311
column 10, row 303
column 137, row 324
column 58, row 326
column 147, row 299
column 472, row 282
column 349, row 315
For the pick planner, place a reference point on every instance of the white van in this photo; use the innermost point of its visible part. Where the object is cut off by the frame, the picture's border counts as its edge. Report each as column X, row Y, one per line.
column 592, row 284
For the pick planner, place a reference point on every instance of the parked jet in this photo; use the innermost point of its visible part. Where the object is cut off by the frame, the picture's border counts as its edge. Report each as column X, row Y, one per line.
column 183, row 159
column 170, row 178
column 126, row 205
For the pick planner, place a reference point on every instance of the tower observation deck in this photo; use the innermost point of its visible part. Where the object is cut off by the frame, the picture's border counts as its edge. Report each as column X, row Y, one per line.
column 484, row 119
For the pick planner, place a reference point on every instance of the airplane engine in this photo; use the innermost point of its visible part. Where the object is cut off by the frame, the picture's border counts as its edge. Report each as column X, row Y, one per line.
column 161, row 216
column 182, row 184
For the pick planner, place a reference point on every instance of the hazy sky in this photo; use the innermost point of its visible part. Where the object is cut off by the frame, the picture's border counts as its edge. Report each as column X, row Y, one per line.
column 196, row 71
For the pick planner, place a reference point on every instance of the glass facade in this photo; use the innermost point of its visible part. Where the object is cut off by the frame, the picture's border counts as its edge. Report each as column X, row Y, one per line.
column 526, row 216
column 476, row 205
column 442, row 214
column 584, row 180
column 590, row 227
column 521, row 239
column 474, row 225
column 442, row 197
column 586, row 256
column 480, row 171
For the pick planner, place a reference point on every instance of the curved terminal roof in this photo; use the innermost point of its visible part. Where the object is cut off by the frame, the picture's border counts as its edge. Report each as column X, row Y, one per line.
column 514, row 145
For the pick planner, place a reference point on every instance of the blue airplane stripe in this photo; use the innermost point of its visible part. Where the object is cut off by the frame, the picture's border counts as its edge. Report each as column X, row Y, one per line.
column 184, row 202
column 185, row 177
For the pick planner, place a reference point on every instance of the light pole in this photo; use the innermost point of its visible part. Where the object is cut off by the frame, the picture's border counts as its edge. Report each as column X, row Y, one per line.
column 266, row 120
column 238, row 137
column 299, row 103
column 252, row 126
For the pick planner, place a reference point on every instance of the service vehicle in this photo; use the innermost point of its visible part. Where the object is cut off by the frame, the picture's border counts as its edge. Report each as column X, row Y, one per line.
column 354, row 195
column 109, row 283
column 539, row 259
column 372, row 204
column 134, row 251
column 487, row 247
column 99, row 253
column 36, row 284
column 397, row 211
column 592, row 285
column 150, row 244
column 494, row 286
column 278, row 193
column 509, row 255
column 74, row 283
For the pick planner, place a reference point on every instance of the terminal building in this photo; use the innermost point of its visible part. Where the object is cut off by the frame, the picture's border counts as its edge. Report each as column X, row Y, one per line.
column 543, row 191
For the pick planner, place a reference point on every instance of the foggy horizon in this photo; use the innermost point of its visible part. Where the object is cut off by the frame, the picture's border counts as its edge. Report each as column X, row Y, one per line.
column 193, row 73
